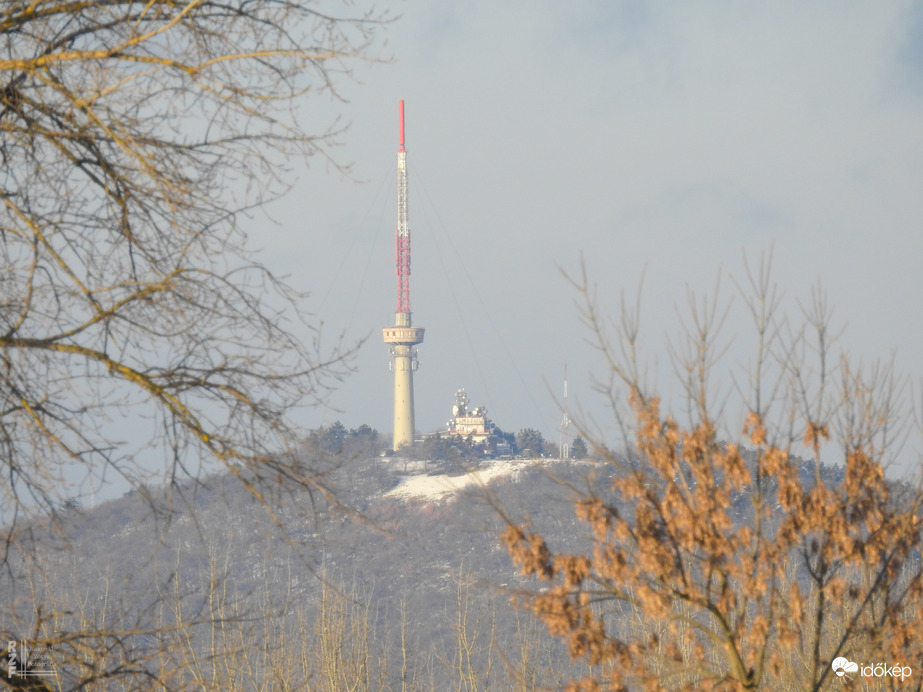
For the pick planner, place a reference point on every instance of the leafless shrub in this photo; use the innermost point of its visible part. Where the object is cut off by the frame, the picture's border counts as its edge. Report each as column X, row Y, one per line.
column 737, row 564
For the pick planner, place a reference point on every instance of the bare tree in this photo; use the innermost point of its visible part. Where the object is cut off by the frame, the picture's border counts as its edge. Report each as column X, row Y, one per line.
column 741, row 565
column 134, row 138
column 139, row 335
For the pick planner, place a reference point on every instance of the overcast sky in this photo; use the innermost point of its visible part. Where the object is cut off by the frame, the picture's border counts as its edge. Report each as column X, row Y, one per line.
column 648, row 137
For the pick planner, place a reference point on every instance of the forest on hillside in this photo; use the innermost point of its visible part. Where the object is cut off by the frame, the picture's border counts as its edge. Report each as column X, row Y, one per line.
column 370, row 592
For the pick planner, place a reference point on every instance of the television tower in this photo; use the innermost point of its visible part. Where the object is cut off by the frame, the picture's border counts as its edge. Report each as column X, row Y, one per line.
column 402, row 337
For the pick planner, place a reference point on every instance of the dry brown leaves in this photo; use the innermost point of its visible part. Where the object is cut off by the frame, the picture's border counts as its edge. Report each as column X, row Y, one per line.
column 730, row 572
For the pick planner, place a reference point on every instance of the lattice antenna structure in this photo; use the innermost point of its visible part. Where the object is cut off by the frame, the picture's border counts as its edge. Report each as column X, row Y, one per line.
column 402, row 234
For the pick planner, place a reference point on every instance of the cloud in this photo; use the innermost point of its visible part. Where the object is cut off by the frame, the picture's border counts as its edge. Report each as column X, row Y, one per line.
column 658, row 135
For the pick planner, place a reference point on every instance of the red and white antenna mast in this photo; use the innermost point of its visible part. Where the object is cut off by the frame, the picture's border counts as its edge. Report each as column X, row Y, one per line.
column 402, row 234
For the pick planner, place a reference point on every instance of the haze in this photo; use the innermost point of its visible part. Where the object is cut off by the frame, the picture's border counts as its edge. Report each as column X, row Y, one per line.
column 656, row 138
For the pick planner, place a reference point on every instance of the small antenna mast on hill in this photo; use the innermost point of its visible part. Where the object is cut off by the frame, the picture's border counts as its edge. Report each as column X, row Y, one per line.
column 565, row 423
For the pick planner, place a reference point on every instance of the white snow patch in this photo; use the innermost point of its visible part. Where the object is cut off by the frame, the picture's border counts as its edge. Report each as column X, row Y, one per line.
column 435, row 488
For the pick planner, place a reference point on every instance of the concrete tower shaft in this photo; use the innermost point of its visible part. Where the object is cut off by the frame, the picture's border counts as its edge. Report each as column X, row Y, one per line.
column 402, row 337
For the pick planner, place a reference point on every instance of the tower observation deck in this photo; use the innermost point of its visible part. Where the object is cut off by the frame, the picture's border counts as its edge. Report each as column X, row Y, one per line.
column 402, row 336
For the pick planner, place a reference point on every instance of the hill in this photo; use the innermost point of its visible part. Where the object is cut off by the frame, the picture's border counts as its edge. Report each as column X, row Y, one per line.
column 396, row 581
column 403, row 576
